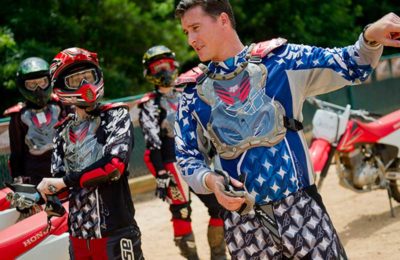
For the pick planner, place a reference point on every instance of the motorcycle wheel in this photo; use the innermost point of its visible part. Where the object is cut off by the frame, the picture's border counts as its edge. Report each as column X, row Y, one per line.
column 395, row 189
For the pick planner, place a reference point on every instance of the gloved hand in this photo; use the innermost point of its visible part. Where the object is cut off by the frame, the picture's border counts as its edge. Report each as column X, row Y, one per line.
column 163, row 180
column 232, row 191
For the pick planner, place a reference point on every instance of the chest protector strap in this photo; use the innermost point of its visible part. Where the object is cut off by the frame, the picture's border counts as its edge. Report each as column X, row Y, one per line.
column 257, row 52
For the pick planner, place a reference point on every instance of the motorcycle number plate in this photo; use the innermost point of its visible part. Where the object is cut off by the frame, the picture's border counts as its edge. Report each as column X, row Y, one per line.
column 326, row 125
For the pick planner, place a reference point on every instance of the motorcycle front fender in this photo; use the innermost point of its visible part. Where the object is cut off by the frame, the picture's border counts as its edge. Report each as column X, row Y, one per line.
column 21, row 237
column 4, row 203
column 319, row 153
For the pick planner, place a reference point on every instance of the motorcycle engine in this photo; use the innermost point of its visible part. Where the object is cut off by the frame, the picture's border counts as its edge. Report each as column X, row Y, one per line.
column 365, row 174
column 360, row 167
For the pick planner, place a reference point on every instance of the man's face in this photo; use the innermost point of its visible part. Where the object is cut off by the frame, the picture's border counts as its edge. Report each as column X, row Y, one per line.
column 204, row 33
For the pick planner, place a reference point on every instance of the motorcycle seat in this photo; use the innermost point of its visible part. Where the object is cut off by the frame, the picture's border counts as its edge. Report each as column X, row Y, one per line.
column 384, row 125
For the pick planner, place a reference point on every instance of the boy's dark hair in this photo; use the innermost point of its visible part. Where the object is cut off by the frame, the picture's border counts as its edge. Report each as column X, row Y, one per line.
column 212, row 7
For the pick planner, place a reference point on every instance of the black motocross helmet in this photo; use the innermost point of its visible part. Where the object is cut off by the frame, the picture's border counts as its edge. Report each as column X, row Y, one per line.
column 33, row 81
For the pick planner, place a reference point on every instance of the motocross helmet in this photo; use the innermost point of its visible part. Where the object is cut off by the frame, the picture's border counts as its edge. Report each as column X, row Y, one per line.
column 160, row 66
column 33, row 81
column 77, row 77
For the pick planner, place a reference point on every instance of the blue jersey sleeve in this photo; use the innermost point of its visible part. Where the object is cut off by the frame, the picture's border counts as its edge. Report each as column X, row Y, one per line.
column 314, row 70
column 191, row 158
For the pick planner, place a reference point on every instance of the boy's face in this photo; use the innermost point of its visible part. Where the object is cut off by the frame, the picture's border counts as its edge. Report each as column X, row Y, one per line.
column 204, row 33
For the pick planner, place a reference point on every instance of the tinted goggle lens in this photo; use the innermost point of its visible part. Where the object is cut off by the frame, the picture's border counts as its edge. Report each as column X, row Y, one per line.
column 33, row 84
column 75, row 80
column 162, row 65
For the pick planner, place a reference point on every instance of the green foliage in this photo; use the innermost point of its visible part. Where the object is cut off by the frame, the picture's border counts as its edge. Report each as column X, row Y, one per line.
column 120, row 31
column 9, row 57
column 300, row 21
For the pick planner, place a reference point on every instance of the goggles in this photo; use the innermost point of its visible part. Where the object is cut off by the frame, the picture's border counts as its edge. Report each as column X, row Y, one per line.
column 75, row 80
column 33, row 84
column 162, row 65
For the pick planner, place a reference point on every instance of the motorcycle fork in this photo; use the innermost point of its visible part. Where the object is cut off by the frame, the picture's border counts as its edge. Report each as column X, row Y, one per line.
column 325, row 170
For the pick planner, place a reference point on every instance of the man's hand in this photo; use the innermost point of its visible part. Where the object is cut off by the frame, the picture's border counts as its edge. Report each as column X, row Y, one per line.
column 385, row 31
column 50, row 186
column 163, row 180
column 216, row 184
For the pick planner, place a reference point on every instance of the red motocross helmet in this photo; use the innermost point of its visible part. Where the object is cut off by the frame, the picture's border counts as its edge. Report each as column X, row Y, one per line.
column 76, row 77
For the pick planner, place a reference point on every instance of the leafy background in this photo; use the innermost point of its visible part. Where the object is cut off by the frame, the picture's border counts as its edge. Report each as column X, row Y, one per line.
column 120, row 31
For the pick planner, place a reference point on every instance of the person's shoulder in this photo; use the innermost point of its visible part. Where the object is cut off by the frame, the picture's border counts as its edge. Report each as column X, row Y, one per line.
column 145, row 98
column 113, row 111
column 63, row 122
column 262, row 49
column 190, row 77
column 14, row 109
column 54, row 98
column 113, row 106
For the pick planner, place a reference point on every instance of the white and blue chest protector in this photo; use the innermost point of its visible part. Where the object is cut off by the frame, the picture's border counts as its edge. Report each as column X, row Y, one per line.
column 238, row 109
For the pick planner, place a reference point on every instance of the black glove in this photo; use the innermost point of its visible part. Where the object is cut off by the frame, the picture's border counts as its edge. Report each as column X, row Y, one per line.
column 163, row 181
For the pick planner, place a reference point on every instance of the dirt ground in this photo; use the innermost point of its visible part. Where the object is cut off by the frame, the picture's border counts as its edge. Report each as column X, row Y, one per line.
column 363, row 221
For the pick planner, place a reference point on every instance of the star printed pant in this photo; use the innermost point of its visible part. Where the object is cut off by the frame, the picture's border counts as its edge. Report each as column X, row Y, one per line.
column 297, row 227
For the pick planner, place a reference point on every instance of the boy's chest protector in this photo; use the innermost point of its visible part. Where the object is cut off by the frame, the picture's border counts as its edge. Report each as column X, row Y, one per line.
column 81, row 144
column 170, row 105
column 40, row 134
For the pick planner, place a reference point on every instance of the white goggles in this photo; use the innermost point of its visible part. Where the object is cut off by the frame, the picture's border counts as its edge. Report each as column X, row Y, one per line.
column 33, row 84
column 77, row 79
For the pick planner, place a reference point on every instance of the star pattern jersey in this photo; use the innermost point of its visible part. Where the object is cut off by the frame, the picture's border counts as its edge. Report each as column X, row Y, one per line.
column 240, row 117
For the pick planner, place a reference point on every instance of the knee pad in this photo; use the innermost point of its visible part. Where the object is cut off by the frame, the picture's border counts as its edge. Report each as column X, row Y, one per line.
column 181, row 211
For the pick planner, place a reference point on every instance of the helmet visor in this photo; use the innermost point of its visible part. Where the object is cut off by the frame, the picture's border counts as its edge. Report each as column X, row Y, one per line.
column 33, row 84
column 162, row 65
column 77, row 79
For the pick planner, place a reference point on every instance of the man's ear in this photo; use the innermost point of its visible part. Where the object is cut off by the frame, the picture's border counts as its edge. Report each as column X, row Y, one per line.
column 225, row 19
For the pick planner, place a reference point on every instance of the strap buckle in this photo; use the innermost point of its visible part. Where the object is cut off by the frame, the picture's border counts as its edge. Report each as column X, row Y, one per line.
column 292, row 124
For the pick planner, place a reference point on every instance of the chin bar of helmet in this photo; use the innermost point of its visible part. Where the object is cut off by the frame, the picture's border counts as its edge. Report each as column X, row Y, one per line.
column 88, row 94
column 232, row 191
column 112, row 171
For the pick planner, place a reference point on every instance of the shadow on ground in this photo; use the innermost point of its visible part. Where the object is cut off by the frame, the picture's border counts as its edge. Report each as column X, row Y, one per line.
column 359, row 229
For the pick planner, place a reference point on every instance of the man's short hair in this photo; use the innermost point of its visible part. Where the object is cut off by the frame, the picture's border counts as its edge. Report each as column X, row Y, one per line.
column 211, row 7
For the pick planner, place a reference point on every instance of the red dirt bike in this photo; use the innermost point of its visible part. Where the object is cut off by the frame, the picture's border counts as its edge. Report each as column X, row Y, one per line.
column 364, row 146
column 39, row 236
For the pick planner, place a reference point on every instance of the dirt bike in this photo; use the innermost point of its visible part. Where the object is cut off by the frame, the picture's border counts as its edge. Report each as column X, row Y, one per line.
column 39, row 235
column 364, row 146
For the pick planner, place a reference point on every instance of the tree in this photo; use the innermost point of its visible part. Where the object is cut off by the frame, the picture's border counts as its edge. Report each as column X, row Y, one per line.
column 120, row 31
column 8, row 65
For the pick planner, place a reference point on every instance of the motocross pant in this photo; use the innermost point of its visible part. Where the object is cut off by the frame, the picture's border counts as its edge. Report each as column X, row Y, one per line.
column 124, row 244
column 296, row 227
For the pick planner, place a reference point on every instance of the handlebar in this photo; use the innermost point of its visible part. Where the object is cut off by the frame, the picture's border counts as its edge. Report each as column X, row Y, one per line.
column 364, row 114
column 25, row 196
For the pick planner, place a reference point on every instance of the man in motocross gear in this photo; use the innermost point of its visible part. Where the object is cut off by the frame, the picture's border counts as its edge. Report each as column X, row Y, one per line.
column 90, row 159
column 157, row 118
column 31, row 128
column 246, row 106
